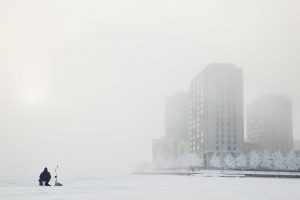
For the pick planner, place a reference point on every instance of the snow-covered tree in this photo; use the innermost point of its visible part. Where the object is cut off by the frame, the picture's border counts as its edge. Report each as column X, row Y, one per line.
column 291, row 161
column 229, row 161
column 298, row 162
column 193, row 161
column 254, row 160
column 216, row 161
column 241, row 162
column 189, row 162
column 278, row 161
column 266, row 161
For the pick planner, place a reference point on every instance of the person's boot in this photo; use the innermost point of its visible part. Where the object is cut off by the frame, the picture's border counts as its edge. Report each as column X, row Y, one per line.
column 47, row 184
column 41, row 183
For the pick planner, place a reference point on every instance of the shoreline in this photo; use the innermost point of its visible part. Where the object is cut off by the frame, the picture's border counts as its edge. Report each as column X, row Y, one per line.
column 225, row 173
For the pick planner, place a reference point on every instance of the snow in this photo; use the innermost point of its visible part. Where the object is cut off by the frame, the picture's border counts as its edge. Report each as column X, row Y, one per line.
column 251, row 161
column 216, row 162
column 156, row 187
column 254, row 160
column 229, row 161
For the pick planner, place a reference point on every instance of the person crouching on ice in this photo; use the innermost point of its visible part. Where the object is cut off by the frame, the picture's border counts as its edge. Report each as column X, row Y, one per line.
column 45, row 177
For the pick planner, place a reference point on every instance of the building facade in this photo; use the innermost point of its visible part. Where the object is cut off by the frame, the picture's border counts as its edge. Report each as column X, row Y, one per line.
column 269, row 123
column 251, row 146
column 297, row 145
column 216, row 111
column 177, row 119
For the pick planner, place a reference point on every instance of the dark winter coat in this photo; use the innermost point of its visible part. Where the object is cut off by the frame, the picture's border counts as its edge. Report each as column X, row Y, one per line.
column 45, row 175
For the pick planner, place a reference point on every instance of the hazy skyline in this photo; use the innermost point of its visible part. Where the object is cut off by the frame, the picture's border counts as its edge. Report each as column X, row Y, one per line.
column 85, row 83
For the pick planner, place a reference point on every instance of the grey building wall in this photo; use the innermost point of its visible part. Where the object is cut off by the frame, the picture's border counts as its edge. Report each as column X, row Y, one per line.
column 251, row 146
column 177, row 119
column 216, row 110
column 269, row 123
column 297, row 145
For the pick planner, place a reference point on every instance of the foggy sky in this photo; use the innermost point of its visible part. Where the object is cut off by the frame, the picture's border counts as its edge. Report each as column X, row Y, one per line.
column 84, row 83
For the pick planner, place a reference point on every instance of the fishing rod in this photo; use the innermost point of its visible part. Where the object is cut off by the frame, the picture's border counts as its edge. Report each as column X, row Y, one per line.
column 56, row 182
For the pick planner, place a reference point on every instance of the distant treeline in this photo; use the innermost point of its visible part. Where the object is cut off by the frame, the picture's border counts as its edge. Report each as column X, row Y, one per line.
column 259, row 161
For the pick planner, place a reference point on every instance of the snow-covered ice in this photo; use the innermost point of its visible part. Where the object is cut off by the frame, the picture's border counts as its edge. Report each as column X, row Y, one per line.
column 156, row 187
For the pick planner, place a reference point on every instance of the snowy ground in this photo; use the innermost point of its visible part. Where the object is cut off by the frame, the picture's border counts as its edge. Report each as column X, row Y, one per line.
column 156, row 187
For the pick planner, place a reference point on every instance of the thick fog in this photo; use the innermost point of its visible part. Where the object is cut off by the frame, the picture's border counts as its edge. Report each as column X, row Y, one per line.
column 84, row 83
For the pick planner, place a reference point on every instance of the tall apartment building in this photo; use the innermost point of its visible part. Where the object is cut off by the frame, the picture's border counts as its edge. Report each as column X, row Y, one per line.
column 269, row 123
column 216, row 111
column 177, row 119
column 173, row 144
column 296, row 145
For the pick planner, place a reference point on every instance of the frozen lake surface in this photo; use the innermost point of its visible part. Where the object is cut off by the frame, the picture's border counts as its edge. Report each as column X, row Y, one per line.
column 161, row 187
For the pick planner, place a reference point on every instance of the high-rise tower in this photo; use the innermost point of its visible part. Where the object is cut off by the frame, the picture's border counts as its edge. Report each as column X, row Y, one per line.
column 269, row 123
column 216, row 111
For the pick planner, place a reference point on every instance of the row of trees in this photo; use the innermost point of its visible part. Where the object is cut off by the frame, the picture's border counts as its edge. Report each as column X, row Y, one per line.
column 252, row 161
column 187, row 162
column 256, row 161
